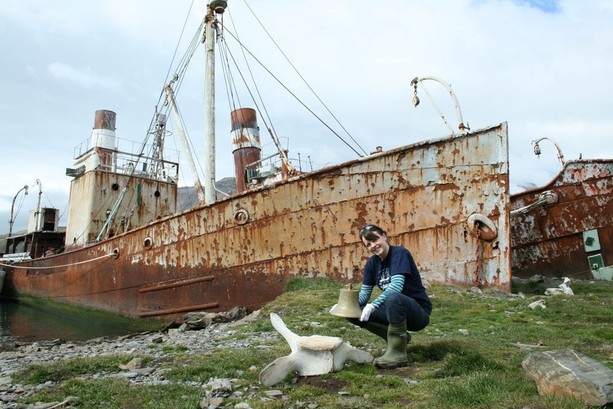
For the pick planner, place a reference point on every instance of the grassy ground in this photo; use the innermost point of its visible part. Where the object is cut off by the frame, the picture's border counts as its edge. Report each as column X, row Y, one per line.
column 468, row 357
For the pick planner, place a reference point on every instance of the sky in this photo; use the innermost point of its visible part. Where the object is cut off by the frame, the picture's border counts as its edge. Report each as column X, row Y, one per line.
column 544, row 67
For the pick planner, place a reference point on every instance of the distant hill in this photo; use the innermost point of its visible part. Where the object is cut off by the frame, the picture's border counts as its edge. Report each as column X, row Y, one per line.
column 188, row 198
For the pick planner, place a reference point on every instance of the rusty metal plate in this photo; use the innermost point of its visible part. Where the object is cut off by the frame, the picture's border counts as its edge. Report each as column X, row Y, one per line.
column 249, row 245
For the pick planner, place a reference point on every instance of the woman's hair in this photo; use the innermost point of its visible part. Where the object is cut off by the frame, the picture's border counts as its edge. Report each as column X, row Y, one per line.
column 371, row 232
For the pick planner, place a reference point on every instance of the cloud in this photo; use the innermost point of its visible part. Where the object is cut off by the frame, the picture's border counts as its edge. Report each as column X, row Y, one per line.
column 548, row 6
column 540, row 65
column 84, row 77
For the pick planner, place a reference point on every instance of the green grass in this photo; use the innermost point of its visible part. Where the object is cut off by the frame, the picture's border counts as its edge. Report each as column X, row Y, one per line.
column 118, row 394
column 468, row 357
column 64, row 370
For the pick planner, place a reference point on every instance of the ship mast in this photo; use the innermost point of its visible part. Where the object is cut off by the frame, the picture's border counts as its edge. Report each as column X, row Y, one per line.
column 215, row 7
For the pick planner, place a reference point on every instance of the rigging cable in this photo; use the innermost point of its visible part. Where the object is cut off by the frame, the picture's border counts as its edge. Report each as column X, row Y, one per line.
column 177, row 46
column 437, row 108
column 271, row 129
column 296, row 97
column 181, row 67
column 265, row 110
column 229, row 82
column 272, row 132
column 304, row 80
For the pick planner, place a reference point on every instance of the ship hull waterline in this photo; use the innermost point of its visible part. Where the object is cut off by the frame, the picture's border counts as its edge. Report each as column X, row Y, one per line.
column 242, row 250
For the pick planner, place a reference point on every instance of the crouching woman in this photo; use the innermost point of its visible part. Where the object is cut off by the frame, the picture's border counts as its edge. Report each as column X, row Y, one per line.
column 403, row 304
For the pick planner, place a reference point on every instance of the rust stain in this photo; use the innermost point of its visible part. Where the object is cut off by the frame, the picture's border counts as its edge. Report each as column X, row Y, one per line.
column 423, row 194
column 548, row 239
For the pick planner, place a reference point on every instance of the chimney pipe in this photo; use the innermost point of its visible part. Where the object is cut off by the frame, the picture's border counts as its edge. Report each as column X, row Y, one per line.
column 246, row 144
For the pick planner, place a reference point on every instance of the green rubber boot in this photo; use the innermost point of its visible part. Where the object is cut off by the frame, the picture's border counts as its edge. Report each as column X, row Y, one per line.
column 396, row 354
column 379, row 330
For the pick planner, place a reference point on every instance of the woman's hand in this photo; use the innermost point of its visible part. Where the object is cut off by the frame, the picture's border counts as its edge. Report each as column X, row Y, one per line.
column 368, row 309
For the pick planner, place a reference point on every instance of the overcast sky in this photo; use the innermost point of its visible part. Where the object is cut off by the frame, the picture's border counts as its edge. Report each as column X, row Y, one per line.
column 545, row 67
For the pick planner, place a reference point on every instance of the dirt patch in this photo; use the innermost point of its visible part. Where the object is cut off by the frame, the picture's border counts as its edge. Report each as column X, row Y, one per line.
column 330, row 385
column 405, row 372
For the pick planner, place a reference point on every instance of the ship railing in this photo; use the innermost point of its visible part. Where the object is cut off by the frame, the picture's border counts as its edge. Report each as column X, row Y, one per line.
column 15, row 257
column 123, row 160
column 269, row 166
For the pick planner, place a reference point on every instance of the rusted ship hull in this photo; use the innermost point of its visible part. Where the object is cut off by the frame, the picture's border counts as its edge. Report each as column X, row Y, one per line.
column 567, row 236
column 242, row 250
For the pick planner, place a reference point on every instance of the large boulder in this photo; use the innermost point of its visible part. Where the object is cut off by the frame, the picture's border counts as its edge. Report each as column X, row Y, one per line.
column 566, row 372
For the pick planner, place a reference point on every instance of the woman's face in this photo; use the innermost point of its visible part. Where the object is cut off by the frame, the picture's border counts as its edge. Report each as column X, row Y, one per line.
column 377, row 245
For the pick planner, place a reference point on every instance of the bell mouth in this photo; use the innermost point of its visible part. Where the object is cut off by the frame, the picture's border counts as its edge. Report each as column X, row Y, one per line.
column 344, row 312
column 347, row 305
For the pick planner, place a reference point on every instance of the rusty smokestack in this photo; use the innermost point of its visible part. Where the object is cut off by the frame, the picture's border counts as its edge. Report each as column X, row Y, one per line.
column 105, row 120
column 246, row 144
column 103, row 139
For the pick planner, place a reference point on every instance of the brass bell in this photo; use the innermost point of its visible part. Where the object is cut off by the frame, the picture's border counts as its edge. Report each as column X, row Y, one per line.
column 348, row 305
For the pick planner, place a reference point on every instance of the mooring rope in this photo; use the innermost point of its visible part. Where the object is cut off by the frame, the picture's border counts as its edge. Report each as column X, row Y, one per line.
column 60, row 266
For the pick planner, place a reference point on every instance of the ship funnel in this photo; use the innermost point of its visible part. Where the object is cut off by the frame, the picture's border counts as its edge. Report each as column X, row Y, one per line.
column 103, row 140
column 103, row 134
column 246, row 144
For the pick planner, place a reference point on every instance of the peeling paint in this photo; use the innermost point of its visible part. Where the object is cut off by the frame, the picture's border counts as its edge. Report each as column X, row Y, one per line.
column 548, row 238
column 423, row 194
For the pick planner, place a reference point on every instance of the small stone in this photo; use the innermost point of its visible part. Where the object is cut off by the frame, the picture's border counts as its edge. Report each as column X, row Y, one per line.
column 215, row 402
column 273, row 393
column 220, row 387
column 135, row 363
column 537, row 304
column 537, row 278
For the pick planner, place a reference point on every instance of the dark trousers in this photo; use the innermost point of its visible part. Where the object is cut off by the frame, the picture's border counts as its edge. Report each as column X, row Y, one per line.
column 397, row 308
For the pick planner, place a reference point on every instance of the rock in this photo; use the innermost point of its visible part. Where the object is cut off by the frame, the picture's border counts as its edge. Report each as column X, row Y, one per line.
column 136, row 363
column 219, row 387
column 273, row 393
column 566, row 372
column 528, row 346
column 201, row 320
column 537, row 278
column 537, row 304
column 150, row 344
column 216, row 401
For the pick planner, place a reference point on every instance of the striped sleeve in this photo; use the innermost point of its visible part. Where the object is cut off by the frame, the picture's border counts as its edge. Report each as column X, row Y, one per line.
column 395, row 286
column 364, row 294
